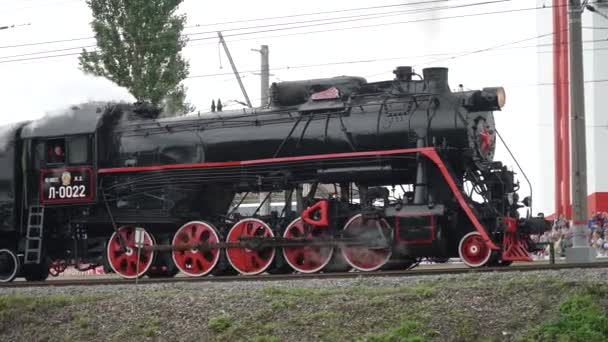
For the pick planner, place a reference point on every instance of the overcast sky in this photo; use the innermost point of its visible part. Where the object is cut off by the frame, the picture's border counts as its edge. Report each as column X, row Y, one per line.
column 28, row 89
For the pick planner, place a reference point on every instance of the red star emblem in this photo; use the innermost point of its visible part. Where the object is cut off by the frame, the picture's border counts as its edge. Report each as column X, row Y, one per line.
column 485, row 140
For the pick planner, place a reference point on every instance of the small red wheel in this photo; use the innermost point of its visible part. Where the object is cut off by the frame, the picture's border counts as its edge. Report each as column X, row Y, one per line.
column 365, row 258
column 306, row 259
column 193, row 262
column 473, row 251
column 125, row 262
column 57, row 267
column 250, row 261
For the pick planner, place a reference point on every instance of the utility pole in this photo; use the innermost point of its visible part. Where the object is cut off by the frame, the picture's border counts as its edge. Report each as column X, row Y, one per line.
column 580, row 251
column 265, row 77
column 236, row 73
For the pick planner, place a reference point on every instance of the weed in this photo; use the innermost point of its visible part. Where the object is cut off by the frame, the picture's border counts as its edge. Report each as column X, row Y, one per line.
column 16, row 308
column 408, row 330
column 424, row 291
column 220, row 323
column 466, row 330
column 579, row 318
column 265, row 338
column 283, row 303
column 21, row 302
column 301, row 293
column 83, row 323
column 151, row 328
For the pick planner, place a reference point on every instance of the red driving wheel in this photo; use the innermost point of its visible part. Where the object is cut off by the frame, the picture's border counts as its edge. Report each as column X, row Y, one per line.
column 194, row 262
column 125, row 261
column 249, row 261
column 367, row 258
column 306, row 259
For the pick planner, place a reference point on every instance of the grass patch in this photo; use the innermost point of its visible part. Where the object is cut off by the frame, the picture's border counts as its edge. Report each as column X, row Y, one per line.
column 300, row 293
column 580, row 318
column 408, row 331
column 289, row 296
column 467, row 330
column 17, row 307
column 21, row 302
column 265, row 338
column 84, row 326
column 358, row 302
column 220, row 324
column 21, row 312
column 138, row 331
column 425, row 290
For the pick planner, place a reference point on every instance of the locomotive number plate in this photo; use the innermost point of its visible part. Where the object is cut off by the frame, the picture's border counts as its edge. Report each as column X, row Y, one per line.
column 67, row 186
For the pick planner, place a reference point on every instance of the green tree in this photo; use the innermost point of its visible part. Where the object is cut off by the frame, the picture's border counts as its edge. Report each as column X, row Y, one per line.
column 139, row 47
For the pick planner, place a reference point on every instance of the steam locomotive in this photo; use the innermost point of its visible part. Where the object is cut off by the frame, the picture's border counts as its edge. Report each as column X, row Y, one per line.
column 369, row 176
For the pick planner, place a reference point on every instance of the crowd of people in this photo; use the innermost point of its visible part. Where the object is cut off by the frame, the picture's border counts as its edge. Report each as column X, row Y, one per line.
column 561, row 235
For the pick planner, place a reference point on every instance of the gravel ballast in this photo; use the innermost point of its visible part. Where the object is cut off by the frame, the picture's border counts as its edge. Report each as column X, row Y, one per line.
column 491, row 306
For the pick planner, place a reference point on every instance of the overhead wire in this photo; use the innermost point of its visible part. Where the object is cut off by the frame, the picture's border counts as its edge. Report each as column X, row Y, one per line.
column 357, row 17
column 365, row 17
column 303, row 26
column 497, row 47
column 318, row 13
column 3, row 10
column 230, row 22
column 373, row 60
column 489, row 48
column 382, row 24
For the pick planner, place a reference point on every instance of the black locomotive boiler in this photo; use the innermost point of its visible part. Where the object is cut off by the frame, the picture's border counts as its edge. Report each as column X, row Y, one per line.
column 370, row 176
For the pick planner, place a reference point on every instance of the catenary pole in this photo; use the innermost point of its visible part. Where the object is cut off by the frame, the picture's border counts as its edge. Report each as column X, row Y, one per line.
column 580, row 251
column 264, row 85
column 265, row 75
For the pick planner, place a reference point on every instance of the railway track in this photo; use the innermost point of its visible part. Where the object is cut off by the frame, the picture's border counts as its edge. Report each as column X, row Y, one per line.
column 336, row 275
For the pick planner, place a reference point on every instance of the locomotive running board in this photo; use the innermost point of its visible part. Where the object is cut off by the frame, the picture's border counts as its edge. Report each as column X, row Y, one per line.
column 429, row 152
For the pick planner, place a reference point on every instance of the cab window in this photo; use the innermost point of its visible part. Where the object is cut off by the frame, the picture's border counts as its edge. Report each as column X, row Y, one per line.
column 78, row 150
column 55, row 151
column 68, row 151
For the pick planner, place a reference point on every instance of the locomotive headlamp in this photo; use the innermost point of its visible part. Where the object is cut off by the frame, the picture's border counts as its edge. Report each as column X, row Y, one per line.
column 499, row 95
column 486, row 100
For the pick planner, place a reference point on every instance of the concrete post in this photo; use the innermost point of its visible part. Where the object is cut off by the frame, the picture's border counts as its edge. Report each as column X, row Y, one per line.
column 580, row 251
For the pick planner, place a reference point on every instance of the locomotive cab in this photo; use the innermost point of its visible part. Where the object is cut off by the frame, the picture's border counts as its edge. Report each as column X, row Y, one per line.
column 59, row 157
column 65, row 166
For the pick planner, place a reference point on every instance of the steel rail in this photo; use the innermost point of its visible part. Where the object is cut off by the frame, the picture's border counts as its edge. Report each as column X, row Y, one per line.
column 300, row 276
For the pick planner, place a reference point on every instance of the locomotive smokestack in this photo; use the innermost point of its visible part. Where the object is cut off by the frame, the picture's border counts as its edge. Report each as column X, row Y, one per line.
column 436, row 79
column 403, row 73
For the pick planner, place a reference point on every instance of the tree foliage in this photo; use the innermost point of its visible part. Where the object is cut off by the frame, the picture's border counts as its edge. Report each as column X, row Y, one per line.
column 139, row 47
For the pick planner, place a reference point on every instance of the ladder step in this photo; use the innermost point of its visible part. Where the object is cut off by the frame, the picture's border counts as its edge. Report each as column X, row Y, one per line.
column 34, row 234
column 35, row 221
